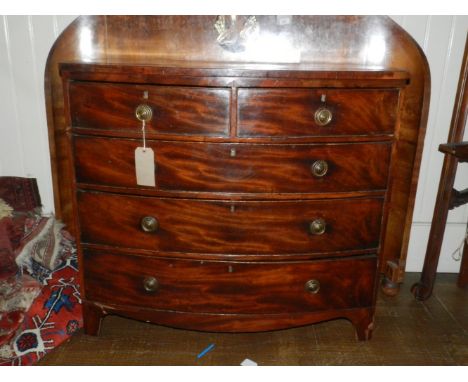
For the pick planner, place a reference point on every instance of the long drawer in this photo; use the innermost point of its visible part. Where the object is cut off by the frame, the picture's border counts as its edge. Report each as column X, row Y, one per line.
column 229, row 287
column 176, row 110
column 229, row 167
column 217, row 227
column 301, row 112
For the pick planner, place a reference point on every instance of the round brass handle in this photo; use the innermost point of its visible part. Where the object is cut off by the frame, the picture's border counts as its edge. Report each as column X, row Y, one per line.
column 312, row 286
column 144, row 112
column 317, row 227
column 319, row 168
column 150, row 284
column 149, row 224
column 323, row 116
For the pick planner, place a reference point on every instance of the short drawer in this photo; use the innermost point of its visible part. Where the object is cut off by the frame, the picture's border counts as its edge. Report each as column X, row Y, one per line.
column 300, row 112
column 237, row 227
column 176, row 109
column 229, row 287
column 241, row 168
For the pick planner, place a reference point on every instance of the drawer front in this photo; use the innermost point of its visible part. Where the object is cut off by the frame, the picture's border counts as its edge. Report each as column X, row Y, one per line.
column 248, row 168
column 176, row 110
column 292, row 112
column 229, row 287
column 201, row 226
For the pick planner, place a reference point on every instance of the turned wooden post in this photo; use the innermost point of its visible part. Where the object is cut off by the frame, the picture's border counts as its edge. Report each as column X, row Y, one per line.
column 447, row 198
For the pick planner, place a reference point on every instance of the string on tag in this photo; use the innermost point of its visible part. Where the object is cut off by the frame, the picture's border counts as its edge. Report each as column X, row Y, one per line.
column 458, row 253
column 143, row 124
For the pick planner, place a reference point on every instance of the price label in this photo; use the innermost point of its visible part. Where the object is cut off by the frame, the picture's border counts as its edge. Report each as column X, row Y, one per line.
column 145, row 167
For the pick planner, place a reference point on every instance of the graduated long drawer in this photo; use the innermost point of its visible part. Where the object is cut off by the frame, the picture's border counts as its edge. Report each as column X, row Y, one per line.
column 229, row 287
column 242, row 168
column 218, row 227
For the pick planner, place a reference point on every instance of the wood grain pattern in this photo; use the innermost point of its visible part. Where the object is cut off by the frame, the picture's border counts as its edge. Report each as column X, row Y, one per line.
column 111, row 41
column 425, row 333
column 229, row 227
column 176, row 110
column 244, row 168
column 134, row 134
column 239, row 74
column 290, row 112
column 230, row 287
column 360, row 318
column 273, row 103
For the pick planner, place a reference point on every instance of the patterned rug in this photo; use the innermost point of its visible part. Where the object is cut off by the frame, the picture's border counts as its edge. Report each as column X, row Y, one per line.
column 54, row 316
column 40, row 304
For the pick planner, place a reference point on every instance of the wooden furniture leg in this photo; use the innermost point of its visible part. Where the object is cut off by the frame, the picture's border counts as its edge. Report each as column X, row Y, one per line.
column 463, row 275
column 389, row 288
column 364, row 330
column 447, row 197
column 422, row 290
column 93, row 316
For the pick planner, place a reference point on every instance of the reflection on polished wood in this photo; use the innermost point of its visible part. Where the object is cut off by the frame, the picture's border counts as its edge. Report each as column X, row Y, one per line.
column 236, row 129
column 354, row 44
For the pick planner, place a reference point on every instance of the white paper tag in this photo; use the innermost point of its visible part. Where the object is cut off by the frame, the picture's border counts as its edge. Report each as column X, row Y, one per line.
column 144, row 166
column 248, row 362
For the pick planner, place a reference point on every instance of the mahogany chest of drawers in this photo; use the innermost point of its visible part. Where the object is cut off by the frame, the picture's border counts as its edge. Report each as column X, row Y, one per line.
column 278, row 190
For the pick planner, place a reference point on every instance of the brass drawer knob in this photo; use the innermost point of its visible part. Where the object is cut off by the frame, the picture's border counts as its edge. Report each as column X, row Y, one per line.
column 319, row 168
column 150, row 284
column 323, row 116
column 144, row 113
column 312, row 286
column 149, row 224
column 317, row 227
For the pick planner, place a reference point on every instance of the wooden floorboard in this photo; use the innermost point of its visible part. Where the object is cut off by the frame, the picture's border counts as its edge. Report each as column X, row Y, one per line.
column 407, row 332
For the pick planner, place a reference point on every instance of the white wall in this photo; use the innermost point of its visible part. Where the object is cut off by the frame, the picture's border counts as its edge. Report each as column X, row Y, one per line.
column 442, row 39
column 25, row 42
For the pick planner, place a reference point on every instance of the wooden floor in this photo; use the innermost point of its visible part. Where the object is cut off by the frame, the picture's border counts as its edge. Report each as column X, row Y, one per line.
column 407, row 332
